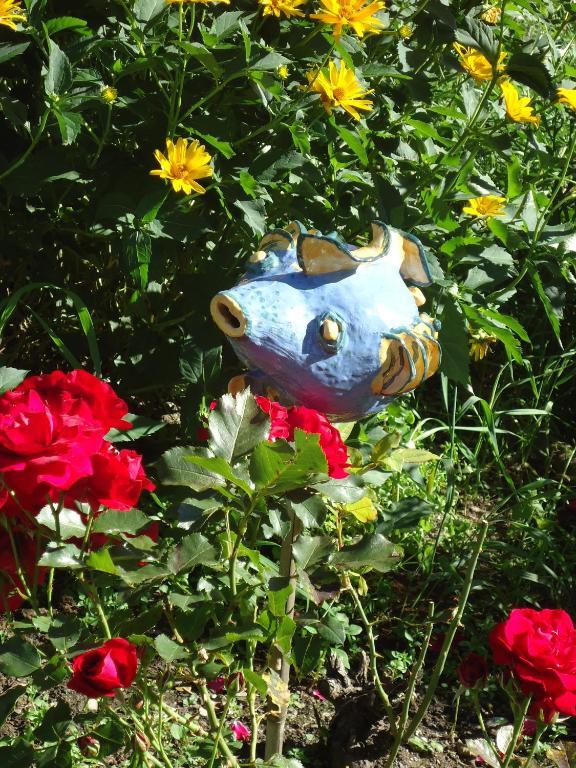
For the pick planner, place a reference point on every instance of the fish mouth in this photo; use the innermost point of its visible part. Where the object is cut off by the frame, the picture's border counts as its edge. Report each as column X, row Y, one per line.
column 228, row 316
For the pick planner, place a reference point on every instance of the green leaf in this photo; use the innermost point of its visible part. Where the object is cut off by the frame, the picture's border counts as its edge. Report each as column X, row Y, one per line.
column 402, row 456
column 529, row 70
column 255, row 680
column 169, row 650
column 70, row 124
column 277, row 600
column 63, row 22
column 225, row 24
column 454, row 344
column 237, row 425
column 174, row 468
column 19, row 658
column 354, row 142
column 19, row 755
column 514, row 187
column 363, row 510
column 58, row 76
column 114, row 521
column 9, row 50
column 64, row 632
column 146, row 10
column 68, row 522
column 403, row 514
column 372, row 551
column 10, row 378
column 8, row 700
column 220, row 466
column 285, row 633
column 478, row 35
column 61, row 556
column 254, row 214
column 309, row 550
column 276, row 468
column 204, row 56
column 100, row 560
column 270, row 62
column 193, row 550
column 142, row 426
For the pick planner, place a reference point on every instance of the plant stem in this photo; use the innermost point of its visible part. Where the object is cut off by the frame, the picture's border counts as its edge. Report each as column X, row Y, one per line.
column 410, row 689
column 440, row 663
column 35, row 139
column 276, row 722
column 218, row 738
column 213, row 720
column 373, row 655
column 538, row 735
column 518, row 723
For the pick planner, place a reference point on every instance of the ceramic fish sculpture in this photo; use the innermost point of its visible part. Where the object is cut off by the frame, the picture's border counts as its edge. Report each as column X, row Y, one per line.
column 332, row 326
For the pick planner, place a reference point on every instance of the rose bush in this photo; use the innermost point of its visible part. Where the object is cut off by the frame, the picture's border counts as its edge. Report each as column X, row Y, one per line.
column 102, row 671
column 539, row 647
column 53, row 445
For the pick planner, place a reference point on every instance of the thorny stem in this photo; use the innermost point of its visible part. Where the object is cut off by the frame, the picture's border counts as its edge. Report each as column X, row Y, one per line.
column 410, row 689
column 440, row 663
column 483, row 725
column 218, row 738
column 539, row 732
column 372, row 654
column 518, row 723
column 213, row 720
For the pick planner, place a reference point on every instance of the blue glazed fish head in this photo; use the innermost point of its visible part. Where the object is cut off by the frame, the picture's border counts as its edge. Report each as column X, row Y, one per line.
column 310, row 315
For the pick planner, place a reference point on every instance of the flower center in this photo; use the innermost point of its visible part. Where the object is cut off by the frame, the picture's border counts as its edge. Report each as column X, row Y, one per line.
column 339, row 93
column 179, row 170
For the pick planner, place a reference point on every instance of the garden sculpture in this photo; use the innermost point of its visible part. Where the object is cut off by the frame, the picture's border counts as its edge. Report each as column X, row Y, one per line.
column 330, row 325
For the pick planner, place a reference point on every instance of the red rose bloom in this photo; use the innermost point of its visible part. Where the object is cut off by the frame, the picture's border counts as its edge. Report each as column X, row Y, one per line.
column 330, row 440
column 279, row 428
column 540, row 649
column 9, row 579
column 116, row 482
column 472, row 670
column 101, row 671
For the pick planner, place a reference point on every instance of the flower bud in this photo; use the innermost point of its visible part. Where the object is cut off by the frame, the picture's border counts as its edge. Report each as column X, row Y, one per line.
column 89, row 746
column 141, row 742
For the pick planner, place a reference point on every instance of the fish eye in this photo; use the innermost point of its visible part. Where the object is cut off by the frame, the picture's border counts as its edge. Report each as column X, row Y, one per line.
column 331, row 331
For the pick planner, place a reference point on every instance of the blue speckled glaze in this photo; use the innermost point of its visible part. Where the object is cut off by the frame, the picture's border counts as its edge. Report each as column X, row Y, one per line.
column 283, row 348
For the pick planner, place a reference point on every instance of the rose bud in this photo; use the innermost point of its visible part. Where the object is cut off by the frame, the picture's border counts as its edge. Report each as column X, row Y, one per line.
column 89, row 746
column 141, row 742
column 101, row 671
column 472, row 671
column 241, row 732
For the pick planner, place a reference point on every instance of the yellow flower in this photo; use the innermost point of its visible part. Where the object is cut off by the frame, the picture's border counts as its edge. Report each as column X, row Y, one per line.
column 184, row 165
column 567, row 96
column 340, row 89
column 405, row 31
column 10, row 12
column 108, row 94
column 517, row 107
column 476, row 64
column 485, row 207
column 351, row 13
column 480, row 344
column 278, row 7
column 491, row 15
column 283, row 71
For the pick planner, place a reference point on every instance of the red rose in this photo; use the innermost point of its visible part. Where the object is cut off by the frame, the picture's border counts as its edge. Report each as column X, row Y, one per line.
column 9, row 579
column 540, row 649
column 101, row 671
column 279, row 428
column 77, row 391
column 330, row 440
column 472, row 670
column 117, row 480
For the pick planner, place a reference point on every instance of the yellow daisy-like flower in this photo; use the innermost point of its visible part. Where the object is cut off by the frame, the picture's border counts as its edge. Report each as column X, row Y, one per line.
column 108, row 94
column 491, row 15
column 280, row 8
column 476, row 64
column 340, row 88
column 183, row 165
column 485, row 207
column 350, row 13
column 567, row 96
column 283, row 71
column 518, row 107
column 405, row 31
column 480, row 344
column 10, row 12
